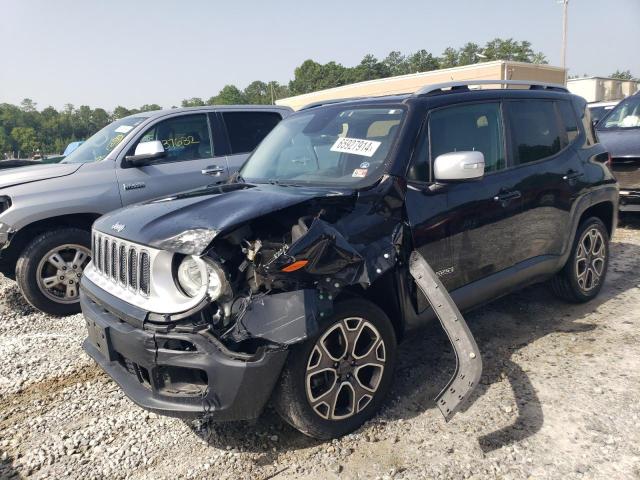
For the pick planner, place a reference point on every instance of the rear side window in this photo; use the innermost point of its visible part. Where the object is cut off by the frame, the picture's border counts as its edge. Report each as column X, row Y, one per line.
column 470, row 127
column 247, row 129
column 535, row 131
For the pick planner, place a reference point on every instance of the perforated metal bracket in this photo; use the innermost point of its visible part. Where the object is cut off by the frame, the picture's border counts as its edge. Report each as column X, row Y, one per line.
column 468, row 361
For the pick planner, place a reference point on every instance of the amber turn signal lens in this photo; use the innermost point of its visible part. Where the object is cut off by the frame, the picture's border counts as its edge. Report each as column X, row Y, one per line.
column 295, row 266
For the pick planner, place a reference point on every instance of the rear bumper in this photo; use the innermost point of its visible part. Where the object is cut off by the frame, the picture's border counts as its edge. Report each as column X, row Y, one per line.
column 629, row 200
column 186, row 375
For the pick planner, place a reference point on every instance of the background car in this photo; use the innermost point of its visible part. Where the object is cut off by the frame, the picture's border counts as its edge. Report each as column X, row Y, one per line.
column 599, row 110
column 46, row 211
column 619, row 131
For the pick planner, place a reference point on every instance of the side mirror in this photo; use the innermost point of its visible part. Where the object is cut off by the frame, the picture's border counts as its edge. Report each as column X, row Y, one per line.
column 146, row 153
column 459, row 166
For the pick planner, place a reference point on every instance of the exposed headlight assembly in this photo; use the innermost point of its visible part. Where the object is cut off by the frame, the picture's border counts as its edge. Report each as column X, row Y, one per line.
column 195, row 276
column 189, row 242
column 5, row 203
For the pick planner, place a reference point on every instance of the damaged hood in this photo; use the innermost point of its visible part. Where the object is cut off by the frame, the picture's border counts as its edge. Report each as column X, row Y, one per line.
column 27, row 174
column 218, row 208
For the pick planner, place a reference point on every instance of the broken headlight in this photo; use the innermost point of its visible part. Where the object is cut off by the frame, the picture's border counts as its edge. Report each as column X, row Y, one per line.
column 189, row 242
column 194, row 276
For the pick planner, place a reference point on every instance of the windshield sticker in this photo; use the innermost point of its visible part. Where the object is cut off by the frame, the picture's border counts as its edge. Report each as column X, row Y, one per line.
column 124, row 129
column 356, row 146
column 115, row 141
column 364, row 165
column 359, row 173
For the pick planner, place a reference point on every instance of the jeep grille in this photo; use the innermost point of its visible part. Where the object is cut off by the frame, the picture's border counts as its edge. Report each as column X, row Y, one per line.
column 123, row 262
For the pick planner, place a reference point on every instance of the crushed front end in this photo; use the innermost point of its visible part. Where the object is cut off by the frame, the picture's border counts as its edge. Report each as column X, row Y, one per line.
column 198, row 323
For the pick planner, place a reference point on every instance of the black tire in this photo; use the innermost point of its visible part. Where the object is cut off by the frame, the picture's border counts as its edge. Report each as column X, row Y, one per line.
column 27, row 268
column 290, row 397
column 566, row 284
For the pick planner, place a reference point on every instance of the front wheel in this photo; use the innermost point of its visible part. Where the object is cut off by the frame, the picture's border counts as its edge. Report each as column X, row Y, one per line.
column 334, row 382
column 49, row 269
column 582, row 277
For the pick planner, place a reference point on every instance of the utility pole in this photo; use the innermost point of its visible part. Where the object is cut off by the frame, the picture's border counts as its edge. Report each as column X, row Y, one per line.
column 565, row 4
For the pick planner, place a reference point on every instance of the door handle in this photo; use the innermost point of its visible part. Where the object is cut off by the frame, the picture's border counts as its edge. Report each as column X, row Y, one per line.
column 213, row 170
column 571, row 174
column 506, row 197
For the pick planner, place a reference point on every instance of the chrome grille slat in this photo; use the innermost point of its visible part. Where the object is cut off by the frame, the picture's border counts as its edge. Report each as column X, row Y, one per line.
column 122, row 262
column 114, row 261
column 145, row 271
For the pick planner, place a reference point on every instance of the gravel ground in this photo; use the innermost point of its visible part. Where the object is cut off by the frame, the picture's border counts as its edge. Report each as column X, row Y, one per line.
column 559, row 398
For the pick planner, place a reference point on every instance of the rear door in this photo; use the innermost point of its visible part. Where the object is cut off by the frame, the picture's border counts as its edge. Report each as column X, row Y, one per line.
column 187, row 139
column 244, row 131
column 549, row 171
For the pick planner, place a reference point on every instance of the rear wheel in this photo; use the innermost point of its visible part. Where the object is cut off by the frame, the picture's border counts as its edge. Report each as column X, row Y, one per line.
column 49, row 269
column 582, row 277
column 335, row 381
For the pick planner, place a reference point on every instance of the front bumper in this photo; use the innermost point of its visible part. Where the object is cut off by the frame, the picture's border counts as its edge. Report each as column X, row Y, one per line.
column 186, row 375
column 629, row 200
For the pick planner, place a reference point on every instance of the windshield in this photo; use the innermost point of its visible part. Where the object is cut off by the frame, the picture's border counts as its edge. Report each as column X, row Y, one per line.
column 625, row 115
column 102, row 143
column 333, row 146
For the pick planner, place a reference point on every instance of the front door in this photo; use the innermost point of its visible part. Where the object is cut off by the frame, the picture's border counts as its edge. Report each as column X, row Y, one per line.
column 466, row 230
column 190, row 160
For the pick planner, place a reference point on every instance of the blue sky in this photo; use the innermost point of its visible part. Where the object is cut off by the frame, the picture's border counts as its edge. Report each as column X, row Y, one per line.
column 124, row 52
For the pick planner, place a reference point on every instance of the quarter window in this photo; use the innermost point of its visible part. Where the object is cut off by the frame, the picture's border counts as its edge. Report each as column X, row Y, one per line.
column 535, row 131
column 471, row 127
column 247, row 129
column 183, row 138
column 568, row 116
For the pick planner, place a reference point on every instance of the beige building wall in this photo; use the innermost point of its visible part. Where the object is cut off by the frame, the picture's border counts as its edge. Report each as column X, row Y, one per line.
column 602, row 89
column 498, row 70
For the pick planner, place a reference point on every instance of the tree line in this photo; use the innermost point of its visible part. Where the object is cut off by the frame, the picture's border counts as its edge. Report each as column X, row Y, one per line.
column 24, row 129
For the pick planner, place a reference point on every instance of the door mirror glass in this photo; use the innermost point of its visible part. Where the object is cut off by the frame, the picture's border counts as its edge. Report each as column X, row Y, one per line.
column 459, row 166
column 146, row 153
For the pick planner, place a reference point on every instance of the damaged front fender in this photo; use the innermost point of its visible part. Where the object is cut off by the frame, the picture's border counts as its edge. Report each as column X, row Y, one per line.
column 468, row 362
column 282, row 318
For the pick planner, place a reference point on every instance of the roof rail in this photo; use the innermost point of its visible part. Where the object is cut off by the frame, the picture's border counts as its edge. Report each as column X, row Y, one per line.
column 463, row 86
column 329, row 102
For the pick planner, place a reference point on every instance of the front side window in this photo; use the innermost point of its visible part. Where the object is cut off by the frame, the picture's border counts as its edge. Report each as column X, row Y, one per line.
column 471, row 127
column 247, row 129
column 333, row 146
column 535, row 132
column 625, row 115
column 101, row 144
column 183, row 138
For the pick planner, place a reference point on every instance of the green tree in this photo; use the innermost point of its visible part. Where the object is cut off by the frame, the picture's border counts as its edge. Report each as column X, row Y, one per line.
column 510, row 49
column 25, row 139
column 229, row 95
column 396, row 63
column 468, row 54
column 150, row 107
column 449, row 58
column 369, row 69
column 193, row 102
column 257, row 93
column 120, row 112
column 422, row 61
column 622, row 75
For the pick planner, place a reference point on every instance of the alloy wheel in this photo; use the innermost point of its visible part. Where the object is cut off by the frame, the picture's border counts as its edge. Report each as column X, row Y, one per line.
column 590, row 259
column 60, row 270
column 345, row 368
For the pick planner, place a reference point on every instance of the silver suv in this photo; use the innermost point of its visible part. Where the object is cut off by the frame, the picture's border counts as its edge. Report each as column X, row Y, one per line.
column 46, row 211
